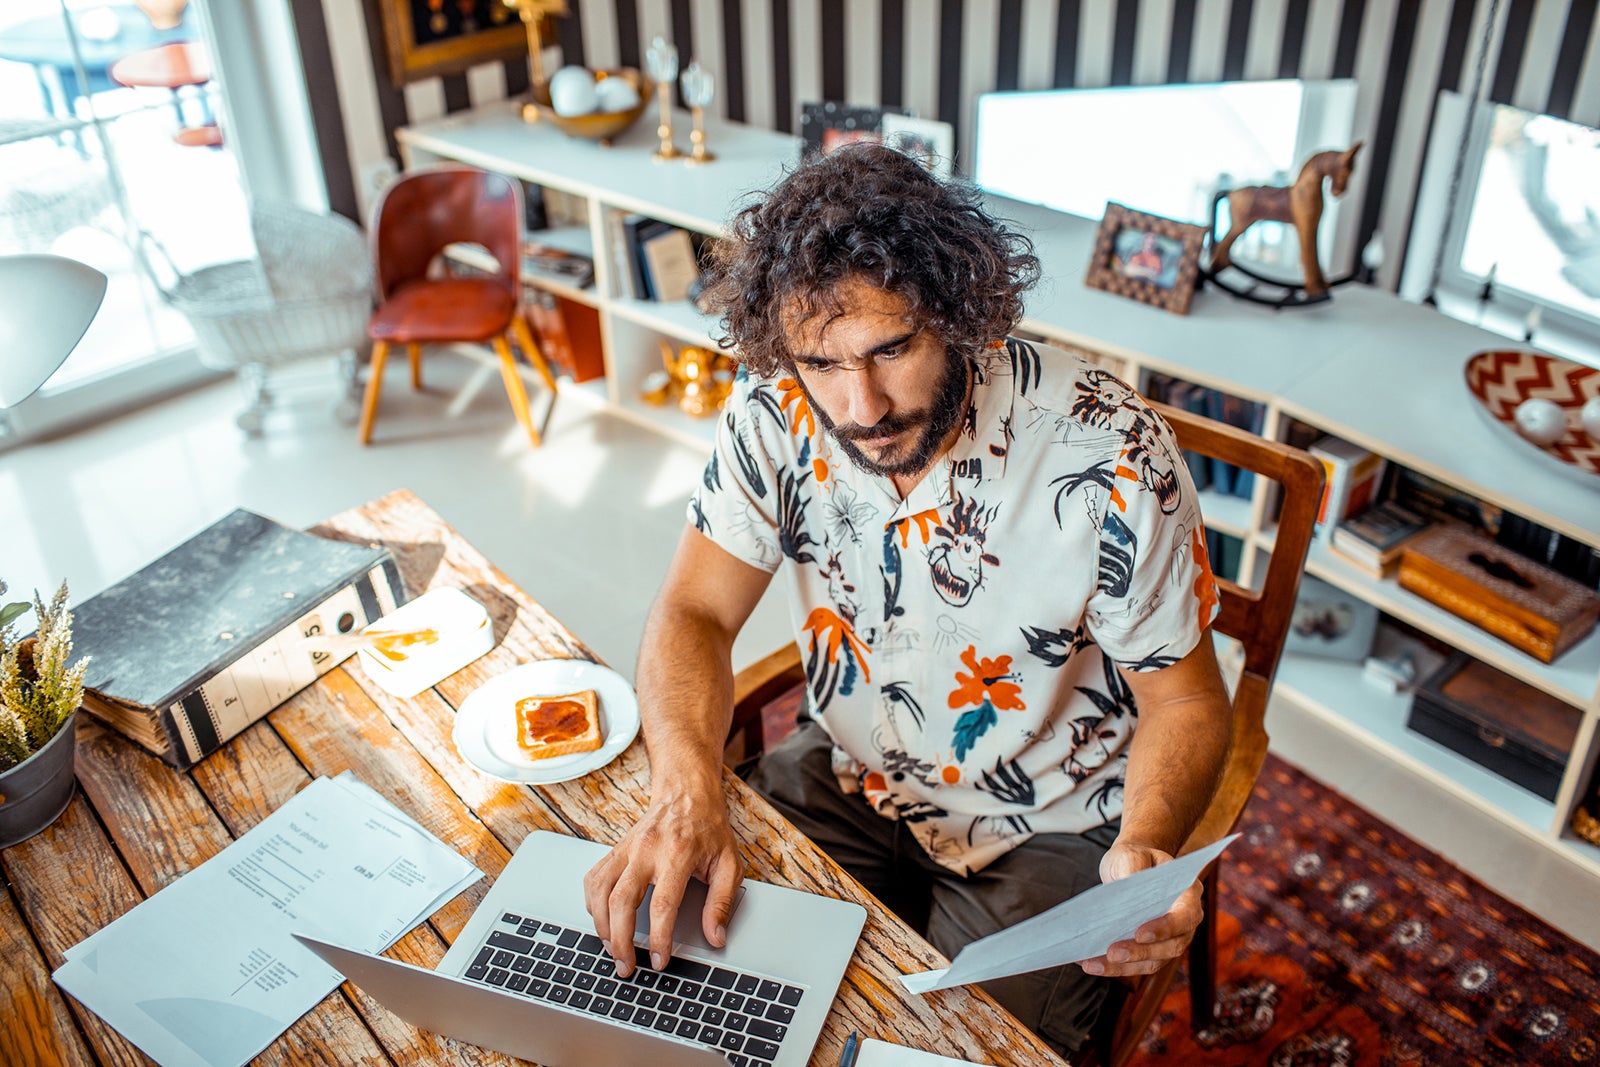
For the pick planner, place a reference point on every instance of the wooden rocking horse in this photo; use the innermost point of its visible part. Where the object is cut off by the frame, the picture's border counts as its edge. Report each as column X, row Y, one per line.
column 1299, row 205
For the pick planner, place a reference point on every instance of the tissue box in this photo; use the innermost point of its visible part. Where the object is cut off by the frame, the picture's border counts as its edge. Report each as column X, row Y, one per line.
column 425, row 642
column 1519, row 601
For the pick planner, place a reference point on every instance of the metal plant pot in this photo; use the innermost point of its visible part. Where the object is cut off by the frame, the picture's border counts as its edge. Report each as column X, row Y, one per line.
column 37, row 790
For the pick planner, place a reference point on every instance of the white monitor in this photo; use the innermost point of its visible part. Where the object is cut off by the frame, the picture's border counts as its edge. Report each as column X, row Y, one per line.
column 1165, row 149
column 1534, row 220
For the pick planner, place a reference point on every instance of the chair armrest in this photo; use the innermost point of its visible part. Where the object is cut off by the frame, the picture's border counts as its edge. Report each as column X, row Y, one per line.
column 753, row 689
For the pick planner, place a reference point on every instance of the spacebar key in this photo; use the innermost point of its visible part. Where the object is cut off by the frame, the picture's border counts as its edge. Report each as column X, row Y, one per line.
column 693, row 970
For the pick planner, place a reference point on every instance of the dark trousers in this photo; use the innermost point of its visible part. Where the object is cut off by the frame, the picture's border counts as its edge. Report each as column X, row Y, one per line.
column 1059, row 1004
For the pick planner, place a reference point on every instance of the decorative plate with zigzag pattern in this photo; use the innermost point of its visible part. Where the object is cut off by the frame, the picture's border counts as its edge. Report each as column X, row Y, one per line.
column 1501, row 380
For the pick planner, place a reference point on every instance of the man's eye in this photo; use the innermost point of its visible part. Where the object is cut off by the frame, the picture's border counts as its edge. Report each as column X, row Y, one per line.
column 820, row 368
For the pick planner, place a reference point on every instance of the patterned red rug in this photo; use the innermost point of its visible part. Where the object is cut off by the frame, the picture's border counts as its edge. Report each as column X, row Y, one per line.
column 1344, row 942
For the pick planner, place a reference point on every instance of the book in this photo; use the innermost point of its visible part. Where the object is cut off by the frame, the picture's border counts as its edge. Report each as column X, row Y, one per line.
column 1374, row 539
column 637, row 229
column 1244, row 415
column 1353, row 477
column 1443, row 502
column 196, row 646
column 670, row 267
column 569, row 267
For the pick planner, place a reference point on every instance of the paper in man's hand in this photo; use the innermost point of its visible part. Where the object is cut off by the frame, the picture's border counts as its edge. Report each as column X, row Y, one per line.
column 1077, row 929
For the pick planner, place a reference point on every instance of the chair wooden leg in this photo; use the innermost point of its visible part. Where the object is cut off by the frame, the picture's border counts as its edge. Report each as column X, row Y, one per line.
column 369, row 404
column 535, row 354
column 414, row 352
column 1203, row 958
column 514, row 389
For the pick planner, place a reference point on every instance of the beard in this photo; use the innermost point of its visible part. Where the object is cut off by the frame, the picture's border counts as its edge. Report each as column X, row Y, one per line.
column 930, row 426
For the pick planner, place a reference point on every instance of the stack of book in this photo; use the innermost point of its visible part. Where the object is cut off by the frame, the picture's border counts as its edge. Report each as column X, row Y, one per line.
column 1374, row 539
column 1353, row 477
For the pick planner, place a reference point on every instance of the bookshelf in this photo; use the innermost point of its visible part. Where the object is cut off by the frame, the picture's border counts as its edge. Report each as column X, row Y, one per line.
column 1368, row 367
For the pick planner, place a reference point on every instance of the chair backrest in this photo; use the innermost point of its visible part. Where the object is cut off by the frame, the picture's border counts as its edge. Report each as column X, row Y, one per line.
column 423, row 211
column 308, row 256
column 1257, row 618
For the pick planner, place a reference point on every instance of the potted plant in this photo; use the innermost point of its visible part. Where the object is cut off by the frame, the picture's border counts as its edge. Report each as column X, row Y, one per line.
column 39, row 698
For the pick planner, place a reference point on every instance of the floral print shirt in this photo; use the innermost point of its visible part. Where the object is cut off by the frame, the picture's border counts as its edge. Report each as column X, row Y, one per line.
column 961, row 645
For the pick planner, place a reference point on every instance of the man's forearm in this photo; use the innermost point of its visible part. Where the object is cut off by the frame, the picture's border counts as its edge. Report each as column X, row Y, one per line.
column 685, row 682
column 1178, row 751
column 1174, row 766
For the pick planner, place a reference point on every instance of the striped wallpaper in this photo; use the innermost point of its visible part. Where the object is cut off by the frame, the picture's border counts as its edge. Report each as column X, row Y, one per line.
column 937, row 56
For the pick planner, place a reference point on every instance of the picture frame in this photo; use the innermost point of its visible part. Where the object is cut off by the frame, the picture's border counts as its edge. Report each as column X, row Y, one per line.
column 827, row 125
column 1146, row 257
column 929, row 141
column 1330, row 623
column 427, row 38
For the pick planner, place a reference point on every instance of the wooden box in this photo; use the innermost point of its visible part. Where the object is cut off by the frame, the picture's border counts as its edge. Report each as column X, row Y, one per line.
column 1519, row 601
column 1520, row 733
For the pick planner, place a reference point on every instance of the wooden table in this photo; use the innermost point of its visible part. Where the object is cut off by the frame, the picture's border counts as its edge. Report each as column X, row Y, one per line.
column 137, row 826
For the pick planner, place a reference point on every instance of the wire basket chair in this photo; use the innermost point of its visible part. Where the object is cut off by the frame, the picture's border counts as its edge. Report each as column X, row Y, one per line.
column 308, row 292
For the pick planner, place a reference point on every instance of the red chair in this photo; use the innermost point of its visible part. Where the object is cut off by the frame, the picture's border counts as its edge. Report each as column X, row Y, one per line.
column 419, row 214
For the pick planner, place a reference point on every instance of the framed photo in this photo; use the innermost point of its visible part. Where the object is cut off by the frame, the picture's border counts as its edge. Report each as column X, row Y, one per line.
column 431, row 37
column 1330, row 622
column 930, row 142
column 1146, row 257
column 829, row 125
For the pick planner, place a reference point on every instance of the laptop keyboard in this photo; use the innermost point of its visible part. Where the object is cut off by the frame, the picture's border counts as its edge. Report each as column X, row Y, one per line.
column 743, row 1016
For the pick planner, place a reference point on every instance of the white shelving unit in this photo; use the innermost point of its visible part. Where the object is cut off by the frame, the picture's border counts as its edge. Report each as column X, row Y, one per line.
column 1367, row 367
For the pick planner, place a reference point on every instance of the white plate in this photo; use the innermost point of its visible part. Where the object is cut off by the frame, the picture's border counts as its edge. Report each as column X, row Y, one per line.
column 486, row 726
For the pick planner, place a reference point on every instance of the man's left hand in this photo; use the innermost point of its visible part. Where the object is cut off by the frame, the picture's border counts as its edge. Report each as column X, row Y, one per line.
column 1161, row 939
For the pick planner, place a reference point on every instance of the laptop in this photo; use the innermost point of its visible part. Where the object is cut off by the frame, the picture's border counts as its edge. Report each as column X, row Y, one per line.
column 528, row 977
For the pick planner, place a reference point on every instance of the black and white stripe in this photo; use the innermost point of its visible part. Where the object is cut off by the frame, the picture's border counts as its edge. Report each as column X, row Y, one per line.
column 938, row 56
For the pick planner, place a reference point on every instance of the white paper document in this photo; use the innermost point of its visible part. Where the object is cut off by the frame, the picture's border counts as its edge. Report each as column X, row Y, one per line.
column 882, row 1054
column 205, row 974
column 1077, row 929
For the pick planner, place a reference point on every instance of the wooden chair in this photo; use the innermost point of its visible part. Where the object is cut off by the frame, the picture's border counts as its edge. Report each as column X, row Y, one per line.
column 1257, row 619
column 418, row 215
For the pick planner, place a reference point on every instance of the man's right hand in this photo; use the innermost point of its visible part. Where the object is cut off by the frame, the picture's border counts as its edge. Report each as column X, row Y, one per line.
column 681, row 835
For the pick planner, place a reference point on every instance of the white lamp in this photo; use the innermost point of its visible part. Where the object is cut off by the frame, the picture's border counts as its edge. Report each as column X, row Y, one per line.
column 46, row 304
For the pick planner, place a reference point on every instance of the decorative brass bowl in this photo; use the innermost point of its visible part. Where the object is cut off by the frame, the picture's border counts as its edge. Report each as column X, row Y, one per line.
column 599, row 126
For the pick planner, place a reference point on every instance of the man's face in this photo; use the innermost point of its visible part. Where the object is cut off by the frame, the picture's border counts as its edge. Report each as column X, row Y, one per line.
column 889, row 391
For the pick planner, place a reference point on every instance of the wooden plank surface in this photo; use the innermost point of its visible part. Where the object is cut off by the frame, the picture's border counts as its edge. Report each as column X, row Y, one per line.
column 602, row 805
column 137, row 825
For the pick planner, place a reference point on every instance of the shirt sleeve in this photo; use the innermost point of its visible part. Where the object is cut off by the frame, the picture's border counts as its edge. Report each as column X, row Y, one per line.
column 1155, row 594
column 736, row 503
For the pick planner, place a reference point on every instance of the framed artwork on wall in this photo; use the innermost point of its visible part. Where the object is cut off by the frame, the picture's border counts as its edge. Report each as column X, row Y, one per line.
column 427, row 38
column 1146, row 257
column 829, row 125
column 930, row 142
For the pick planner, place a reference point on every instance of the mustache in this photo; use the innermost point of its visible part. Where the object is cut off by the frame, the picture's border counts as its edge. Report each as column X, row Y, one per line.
column 889, row 424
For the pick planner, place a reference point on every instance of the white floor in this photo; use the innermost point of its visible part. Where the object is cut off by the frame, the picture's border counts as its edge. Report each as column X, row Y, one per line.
column 585, row 524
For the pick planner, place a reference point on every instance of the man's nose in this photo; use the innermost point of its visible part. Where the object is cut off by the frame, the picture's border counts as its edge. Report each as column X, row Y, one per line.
column 868, row 402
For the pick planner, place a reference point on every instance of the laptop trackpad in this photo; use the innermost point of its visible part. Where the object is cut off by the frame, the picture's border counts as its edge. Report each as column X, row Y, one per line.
column 687, row 930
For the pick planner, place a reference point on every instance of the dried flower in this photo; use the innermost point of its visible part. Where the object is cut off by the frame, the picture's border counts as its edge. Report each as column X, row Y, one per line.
column 39, row 691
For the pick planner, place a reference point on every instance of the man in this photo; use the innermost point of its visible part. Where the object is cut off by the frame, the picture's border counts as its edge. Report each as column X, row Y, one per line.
column 997, row 567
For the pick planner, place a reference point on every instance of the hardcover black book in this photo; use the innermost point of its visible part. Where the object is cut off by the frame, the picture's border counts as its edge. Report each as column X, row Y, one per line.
column 215, row 634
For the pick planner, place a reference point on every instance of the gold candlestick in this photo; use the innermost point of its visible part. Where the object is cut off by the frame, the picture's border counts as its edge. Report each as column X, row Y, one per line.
column 698, row 87
column 662, row 59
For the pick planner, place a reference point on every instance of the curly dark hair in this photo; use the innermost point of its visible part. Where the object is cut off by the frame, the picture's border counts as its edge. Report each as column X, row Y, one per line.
column 872, row 213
